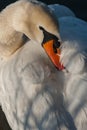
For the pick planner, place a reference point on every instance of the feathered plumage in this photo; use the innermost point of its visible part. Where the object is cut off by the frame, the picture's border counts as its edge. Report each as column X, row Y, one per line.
column 33, row 93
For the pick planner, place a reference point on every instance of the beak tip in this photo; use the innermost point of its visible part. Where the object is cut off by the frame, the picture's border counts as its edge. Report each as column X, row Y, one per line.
column 60, row 67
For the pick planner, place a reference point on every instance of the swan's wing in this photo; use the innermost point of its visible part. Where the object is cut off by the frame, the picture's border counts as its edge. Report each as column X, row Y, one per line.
column 74, row 35
column 74, row 30
column 76, row 95
column 61, row 10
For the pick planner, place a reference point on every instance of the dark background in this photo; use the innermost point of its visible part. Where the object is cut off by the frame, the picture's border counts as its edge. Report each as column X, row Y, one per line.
column 79, row 7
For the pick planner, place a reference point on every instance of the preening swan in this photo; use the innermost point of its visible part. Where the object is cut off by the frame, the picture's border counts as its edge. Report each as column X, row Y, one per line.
column 30, row 84
column 34, row 95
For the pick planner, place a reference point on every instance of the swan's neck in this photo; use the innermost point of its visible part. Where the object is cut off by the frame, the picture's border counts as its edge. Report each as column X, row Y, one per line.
column 7, row 50
column 10, row 40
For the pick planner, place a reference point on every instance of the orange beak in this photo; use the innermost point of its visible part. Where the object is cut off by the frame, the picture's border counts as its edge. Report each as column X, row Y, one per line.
column 55, row 57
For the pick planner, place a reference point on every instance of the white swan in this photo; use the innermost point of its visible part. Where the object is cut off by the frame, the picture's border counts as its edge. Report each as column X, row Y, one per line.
column 30, row 84
column 32, row 89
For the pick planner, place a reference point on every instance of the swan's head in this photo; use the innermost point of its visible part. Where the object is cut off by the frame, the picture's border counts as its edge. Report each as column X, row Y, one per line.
column 51, row 45
column 40, row 25
column 48, row 33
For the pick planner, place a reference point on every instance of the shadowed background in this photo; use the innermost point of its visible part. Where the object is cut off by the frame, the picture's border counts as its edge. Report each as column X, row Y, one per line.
column 79, row 7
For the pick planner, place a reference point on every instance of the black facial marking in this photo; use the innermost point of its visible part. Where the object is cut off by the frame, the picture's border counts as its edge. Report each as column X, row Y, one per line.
column 48, row 36
column 56, row 45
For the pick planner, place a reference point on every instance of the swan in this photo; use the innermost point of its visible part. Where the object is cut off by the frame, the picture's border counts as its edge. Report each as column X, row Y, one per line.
column 31, row 86
column 34, row 94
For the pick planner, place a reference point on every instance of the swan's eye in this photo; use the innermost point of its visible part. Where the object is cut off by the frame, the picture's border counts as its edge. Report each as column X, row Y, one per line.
column 56, row 45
